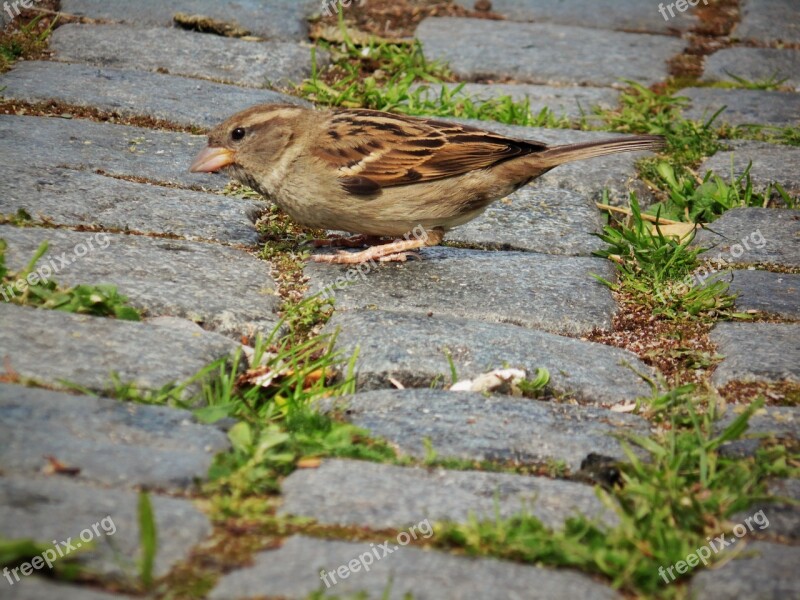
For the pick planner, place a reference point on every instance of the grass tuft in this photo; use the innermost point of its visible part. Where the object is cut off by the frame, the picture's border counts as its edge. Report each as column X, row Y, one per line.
column 658, row 270
column 28, row 288
column 273, row 403
column 697, row 200
column 396, row 77
column 27, row 41
column 668, row 504
column 771, row 83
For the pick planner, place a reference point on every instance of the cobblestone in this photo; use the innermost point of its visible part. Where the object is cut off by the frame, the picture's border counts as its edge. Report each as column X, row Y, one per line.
column 551, row 54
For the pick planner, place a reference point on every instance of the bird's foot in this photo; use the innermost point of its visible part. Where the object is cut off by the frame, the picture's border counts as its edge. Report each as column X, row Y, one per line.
column 400, row 257
column 398, row 251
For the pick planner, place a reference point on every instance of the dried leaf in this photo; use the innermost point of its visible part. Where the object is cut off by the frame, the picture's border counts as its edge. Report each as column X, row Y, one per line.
column 56, row 467
column 678, row 230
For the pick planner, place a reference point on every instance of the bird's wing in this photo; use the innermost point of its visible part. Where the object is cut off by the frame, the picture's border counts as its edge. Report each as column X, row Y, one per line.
column 371, row 150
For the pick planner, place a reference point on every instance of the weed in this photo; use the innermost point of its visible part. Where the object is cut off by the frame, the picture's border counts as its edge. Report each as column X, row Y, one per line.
column 667, row 505
column 27, row 288
column 352, row 80
column 783, row 135
column 278, row 422
column 536, row 387
column 450, row 101
column 305, row 317
column 28, row 41
column 21, row 218
column 274, row 405
column 659, row 113
column 702, row 201
column 287, row 248
column 658, row 270
column 787, row 135
column 234, row 189
column 148, row 539
column 396, row 77
column 770, row 83
column 14, row 552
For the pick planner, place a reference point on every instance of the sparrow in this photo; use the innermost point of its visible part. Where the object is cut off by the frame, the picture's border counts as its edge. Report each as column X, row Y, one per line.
column 380, row 174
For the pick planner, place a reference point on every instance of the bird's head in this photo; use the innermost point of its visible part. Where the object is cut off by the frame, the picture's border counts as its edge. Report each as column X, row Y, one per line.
column 250, row 141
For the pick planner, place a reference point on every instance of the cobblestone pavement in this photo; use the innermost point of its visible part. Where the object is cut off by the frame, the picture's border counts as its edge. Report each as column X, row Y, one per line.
column 180, row 252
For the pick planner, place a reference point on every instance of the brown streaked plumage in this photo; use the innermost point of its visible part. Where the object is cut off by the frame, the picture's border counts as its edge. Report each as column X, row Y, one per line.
column 381, row 174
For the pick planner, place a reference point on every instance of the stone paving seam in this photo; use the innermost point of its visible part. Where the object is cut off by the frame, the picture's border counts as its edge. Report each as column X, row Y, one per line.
column 226, row 289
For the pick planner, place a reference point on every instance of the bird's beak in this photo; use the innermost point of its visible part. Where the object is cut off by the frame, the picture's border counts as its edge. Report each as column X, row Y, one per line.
column 212, row 159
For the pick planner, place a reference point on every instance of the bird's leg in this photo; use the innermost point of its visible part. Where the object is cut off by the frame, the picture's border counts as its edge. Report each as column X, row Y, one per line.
column 395, row 251
column 348, row 241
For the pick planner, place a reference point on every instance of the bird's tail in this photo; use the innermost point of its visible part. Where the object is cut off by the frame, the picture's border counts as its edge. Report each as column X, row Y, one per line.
column 557, row 155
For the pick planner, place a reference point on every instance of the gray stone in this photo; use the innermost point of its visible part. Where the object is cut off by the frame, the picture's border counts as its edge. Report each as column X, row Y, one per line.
column 377, row 496
column 782, row 511
column 272, row 19
column 762, row 571
column 116, row 150
column 757, row 352
column 293, row 572
column 413, row 350
column 57, row 509
column 110, row 442
column 500, row 287
column 536, row 218
column 785, row 488
column 178, row 100
column 742, row 107
column 771, row 163
column 615, row 174
column 769, row 21
column 498, row 428
column 544, row 53
column 572, row 102
column 772, row 293
column 225, row 289
column 777, row 421
column 178, row 52
column 754, row 64
column 73, row 198
column 752, row 235
column 770, row 421
column 37, row 588
column 622, row 15
column 53, row 347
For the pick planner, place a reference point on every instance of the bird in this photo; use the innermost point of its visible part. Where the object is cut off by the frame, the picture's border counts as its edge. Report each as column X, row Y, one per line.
column 383, row 175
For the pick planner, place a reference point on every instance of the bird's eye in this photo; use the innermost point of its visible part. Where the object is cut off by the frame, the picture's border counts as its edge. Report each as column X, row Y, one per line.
column 238, row 134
